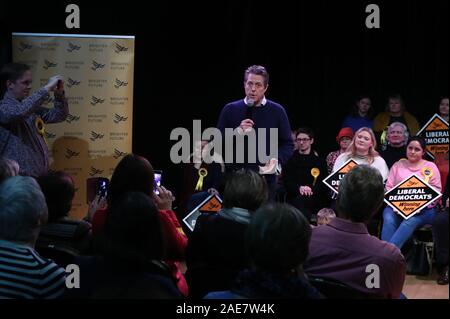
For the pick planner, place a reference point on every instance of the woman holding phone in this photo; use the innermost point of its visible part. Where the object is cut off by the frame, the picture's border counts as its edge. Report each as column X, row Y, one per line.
column 135, row 174
column 22, row 118
column 397, row 230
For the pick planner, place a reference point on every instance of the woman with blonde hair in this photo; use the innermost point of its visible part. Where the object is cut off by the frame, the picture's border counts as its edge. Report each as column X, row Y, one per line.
column 362, row 150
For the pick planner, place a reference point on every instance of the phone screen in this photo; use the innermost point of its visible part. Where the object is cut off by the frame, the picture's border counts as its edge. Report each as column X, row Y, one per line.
column 102, row 188
column 158, row 175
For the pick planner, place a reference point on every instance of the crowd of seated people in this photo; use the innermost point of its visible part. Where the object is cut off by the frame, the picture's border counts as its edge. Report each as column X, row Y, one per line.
column 131, row 244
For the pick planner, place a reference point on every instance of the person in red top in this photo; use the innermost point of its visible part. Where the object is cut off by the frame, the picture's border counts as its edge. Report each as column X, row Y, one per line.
column 135, row 173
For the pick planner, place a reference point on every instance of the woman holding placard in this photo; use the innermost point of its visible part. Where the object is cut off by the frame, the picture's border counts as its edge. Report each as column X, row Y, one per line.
column 362, row 151
column 395, row 229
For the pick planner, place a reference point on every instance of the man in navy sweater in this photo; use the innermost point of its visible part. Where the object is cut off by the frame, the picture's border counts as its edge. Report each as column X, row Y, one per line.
column 250, row 116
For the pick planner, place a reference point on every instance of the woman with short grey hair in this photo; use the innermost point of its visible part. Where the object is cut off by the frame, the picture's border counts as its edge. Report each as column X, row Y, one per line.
column 22, row 212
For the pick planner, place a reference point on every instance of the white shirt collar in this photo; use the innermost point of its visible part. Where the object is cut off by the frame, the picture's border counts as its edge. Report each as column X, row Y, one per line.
column 263, row 102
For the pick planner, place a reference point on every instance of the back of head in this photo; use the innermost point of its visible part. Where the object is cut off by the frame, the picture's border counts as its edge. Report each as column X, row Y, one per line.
column 278, row 238
column 361, row 193
column 133, row 173
column 245, row 189
column 325, row 215
column 133, row 230
column 59, row 190
column 8, row 168
column 22, row 209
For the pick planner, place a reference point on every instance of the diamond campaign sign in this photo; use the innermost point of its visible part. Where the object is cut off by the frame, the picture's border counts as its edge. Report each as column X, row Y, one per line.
column 410, row 196
column 332, row 180
column 435, row 133
column 212, row 204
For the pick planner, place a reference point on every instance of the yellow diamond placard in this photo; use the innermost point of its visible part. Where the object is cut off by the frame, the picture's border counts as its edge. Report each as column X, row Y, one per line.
column 410, row 196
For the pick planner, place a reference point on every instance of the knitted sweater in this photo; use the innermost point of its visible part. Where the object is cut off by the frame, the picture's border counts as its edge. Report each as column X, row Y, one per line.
column 270, row 115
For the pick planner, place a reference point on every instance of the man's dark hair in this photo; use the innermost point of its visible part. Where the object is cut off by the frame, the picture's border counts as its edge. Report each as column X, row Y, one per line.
column 58, row 188
column 258, row 70
column 245, row 189
column 278, row 238
column 361, row 193
column 133, row 173
column 305, row 130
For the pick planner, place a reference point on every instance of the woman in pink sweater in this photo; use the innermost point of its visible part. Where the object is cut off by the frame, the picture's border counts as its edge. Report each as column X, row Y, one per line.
column 395, row 229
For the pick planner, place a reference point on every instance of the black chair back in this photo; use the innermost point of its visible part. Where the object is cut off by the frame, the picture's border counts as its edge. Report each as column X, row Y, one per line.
column 333, row 289
column 62, row 256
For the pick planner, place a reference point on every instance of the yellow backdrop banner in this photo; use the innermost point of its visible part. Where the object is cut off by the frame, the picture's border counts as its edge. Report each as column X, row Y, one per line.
column 98, row 73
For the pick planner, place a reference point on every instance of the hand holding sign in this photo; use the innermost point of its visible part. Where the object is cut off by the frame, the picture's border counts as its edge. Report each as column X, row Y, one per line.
column 305, row 191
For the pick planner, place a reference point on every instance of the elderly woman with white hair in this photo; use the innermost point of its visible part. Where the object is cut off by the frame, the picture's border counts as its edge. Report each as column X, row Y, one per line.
column 395, row 150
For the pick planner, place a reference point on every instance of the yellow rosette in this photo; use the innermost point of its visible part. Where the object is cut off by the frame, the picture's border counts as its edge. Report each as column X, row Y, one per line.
column 427, row 173
column 315, row 172
column 202, row 173
column 41, row 128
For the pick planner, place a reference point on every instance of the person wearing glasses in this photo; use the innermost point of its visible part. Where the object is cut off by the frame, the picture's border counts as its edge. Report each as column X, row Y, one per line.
column 303, row 176
column 246, row 117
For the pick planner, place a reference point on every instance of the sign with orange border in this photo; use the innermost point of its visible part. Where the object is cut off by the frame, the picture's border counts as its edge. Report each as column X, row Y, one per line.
column 410, row 196
column 212, row 204
column 332, row 180
column 435, row 133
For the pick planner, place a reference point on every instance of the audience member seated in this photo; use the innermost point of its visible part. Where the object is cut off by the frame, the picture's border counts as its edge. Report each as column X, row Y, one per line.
column 395, row 112
column 62, row 231
column 200, row 178
column 395, row 149
column 344, row 139
column 215, row 251
column 343, row 249
column 131, row 250
column 361, row 114
column 294, row 139
column 362, row 151
column 396, row 229
column 324, row 216
column 303, row 176
column 23, row 272
column 277, row 242
column 8, row 168
column 443, row 108
column 440, row 236
column 135, row 173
